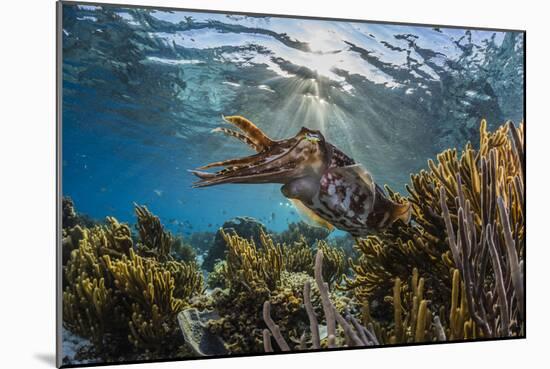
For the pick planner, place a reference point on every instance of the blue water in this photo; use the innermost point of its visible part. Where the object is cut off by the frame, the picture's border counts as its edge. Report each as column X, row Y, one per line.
column 142, row 89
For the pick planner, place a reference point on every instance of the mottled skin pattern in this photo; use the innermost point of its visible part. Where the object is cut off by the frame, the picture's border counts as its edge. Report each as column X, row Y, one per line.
column 314, row 173
column 349, row 203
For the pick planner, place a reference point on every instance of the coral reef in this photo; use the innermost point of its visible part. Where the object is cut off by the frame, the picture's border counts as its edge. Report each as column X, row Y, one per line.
column 334, row 263
column 155, row 241
column 246, row 227
column 468, row 215
column 346, row 242
column 183, row 251
column 253, row 274
column 353, row 333
column 71, row 218
column 70, row 240
column 218, row 276
column 301, row 230
column 412, row 320
column 298, row 257
column 123, row 297
column 456, row 272
column 193, row 325
column 201, row 241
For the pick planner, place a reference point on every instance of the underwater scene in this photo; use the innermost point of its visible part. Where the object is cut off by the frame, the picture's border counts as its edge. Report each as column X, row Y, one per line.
column 245, row 184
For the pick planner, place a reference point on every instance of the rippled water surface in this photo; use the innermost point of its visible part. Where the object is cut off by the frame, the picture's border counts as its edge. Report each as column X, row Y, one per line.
column 142, row 89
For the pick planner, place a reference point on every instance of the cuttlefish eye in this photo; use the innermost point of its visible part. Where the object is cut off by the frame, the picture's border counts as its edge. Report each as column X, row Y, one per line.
column 312, row 137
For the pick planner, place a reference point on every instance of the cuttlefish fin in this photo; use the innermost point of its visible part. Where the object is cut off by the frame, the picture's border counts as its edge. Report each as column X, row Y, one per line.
column 256, row 135
column 310, row 217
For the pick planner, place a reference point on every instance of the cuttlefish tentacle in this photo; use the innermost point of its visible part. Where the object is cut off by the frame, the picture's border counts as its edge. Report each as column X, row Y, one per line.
column 253, row 137
column 269, row 164
column 253, row 133
column 266, row 177
column 239, row 136
column 230, row 162
column 269, row 167
column 315, row 175
column 202, row 175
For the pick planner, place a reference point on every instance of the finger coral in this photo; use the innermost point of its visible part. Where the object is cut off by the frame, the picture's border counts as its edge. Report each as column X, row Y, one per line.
column 246, row 227
column 154, row 295
column 252, row 275
column 153, row 239
column 122, row 301
column 298, row 256
column 253, row 267
column 156, row 241
column 413, row 320
column 334, row 263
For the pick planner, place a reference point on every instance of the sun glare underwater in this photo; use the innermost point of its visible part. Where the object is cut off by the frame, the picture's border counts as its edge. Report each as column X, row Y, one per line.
column 241, row 184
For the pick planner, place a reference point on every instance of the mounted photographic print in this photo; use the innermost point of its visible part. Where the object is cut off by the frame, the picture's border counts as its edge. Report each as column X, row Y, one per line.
column 248, row 184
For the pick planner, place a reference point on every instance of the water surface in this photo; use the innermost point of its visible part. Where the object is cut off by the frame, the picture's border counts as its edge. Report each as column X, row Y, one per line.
column 142, row 89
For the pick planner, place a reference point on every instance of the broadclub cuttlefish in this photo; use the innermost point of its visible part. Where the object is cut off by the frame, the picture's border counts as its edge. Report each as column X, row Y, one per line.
column 323, row 183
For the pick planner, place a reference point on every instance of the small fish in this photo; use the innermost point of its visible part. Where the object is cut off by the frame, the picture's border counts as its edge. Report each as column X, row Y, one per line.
column 158, row 192
column 325, row 184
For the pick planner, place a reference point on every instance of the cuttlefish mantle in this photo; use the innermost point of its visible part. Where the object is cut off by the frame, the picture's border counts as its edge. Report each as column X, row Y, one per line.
column 319, row 178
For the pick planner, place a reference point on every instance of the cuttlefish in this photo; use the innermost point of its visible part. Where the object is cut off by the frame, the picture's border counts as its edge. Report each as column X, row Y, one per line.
column 323, row 182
